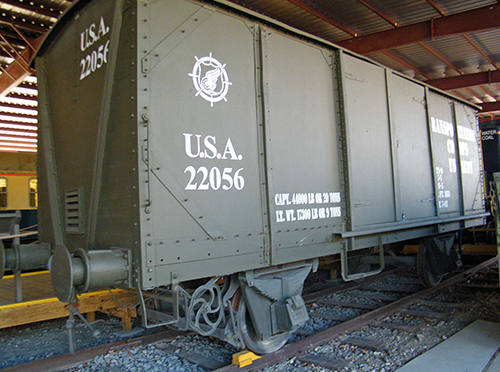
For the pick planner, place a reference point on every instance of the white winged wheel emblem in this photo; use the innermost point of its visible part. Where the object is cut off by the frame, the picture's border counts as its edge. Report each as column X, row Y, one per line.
column 210, row 79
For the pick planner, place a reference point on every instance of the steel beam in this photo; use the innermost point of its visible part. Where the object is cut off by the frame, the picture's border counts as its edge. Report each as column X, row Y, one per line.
column 474, row 20
column 17, row 72
column 490, row 107
column 469, row 80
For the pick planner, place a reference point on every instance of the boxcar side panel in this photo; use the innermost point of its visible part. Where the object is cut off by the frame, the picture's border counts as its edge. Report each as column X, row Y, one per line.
column 205, row 187
column 370, row 160
column 302, row 150
column 412, row 148
column 470, row 159
column 443, row 140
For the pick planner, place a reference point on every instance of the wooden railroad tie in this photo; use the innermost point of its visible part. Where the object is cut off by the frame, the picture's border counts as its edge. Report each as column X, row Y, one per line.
column 323, row 361
column 115, row 302
column 194, row 357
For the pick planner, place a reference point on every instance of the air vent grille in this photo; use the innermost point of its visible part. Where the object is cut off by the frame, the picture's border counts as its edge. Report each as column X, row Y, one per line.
column 74, row 215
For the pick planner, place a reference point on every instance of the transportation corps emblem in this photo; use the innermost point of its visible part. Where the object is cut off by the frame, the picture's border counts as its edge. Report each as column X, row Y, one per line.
column 210, row 79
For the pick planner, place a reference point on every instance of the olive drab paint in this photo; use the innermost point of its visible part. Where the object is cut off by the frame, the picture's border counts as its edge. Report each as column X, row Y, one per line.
column 97, row 57
column 182, row 143
column 199, row 141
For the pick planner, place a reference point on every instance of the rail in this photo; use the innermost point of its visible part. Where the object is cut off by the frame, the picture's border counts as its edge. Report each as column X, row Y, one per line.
column 317, row 339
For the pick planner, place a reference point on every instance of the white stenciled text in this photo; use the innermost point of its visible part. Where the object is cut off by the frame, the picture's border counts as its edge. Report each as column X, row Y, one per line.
column 442, row 194
column 97, row 57
column 212, row 178
column 196, row 147
column 307, row 206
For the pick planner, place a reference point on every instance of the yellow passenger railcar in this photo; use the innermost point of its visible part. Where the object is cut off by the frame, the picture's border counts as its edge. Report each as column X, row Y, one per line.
column 18, row 191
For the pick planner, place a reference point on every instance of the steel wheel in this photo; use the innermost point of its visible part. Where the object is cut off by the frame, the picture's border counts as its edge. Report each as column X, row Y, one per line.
column 424, row 269
column 250, row 337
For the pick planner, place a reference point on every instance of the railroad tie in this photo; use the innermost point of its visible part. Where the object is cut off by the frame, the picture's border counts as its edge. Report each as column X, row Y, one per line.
column 354, row 305
column 365, row 343
column 202, row 360
column 323, row 361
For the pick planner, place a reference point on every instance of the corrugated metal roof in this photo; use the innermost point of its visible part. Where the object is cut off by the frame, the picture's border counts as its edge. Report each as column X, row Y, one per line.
column 458, row 51
column 407, row 12
column 286, row 12
column 489, row 41
column 353, row 14
column 458, row 6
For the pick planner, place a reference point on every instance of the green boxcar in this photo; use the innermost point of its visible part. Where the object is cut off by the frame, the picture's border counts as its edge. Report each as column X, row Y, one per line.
column 182, row 142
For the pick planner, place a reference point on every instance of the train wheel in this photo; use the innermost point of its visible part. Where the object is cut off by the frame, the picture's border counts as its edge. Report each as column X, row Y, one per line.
column 250, row 337
column 437, row 256
column 426, row 275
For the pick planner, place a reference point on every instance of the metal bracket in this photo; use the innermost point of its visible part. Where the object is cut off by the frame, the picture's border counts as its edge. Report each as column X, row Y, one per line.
column 347, row 247
column 70, row 326
column 152, row 318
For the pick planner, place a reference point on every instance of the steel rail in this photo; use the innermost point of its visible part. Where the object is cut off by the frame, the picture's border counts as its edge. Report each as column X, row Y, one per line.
column 349, row 286
column 67, row 361
column 323, row 337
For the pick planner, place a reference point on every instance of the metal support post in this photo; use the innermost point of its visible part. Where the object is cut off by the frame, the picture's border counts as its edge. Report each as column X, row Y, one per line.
column 70, row 327
column 18, row 287
column 496, row 213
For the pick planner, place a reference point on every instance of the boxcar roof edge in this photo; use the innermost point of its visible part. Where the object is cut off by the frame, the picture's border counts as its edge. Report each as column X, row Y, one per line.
column 245, row 12
column 58, row 27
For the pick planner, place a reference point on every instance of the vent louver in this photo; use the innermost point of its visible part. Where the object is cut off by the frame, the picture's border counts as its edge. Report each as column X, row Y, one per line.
column 74, row 215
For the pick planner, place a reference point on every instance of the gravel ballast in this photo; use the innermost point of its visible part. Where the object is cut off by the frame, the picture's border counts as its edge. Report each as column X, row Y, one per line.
column 41, row 340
